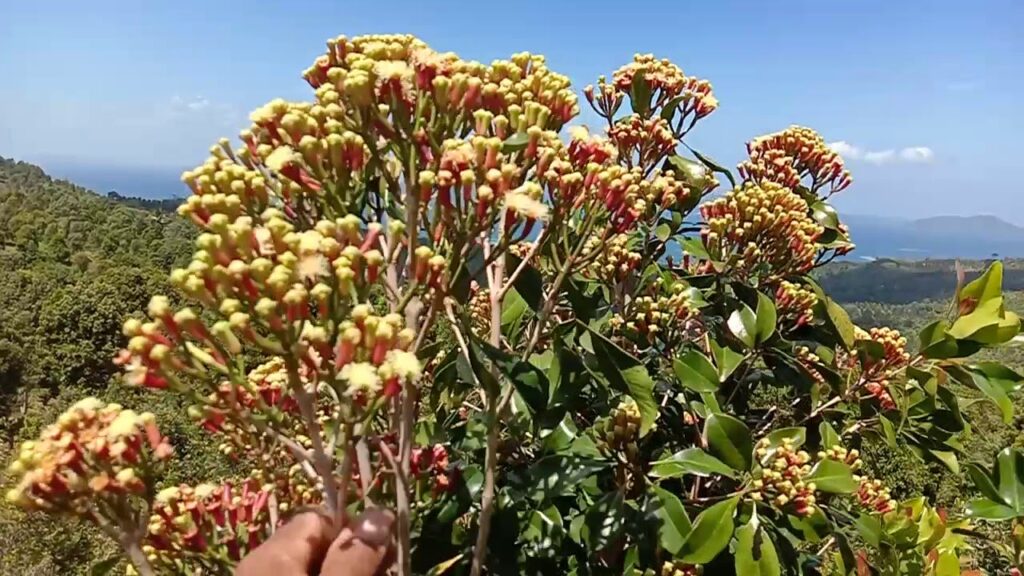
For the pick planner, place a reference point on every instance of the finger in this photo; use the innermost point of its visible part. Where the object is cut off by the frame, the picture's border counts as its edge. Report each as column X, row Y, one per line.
column 293, row 550
column 362, row 547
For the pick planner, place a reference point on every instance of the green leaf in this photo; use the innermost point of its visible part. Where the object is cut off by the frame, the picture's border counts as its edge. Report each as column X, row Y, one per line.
column 755, row 553
column 946, row 457
column 690, row 461
column 693, row 246
column 987, row 315
column 994, row 393
column 529, row 284
column 833, row 477
column 713, row 166
column 825, row 215
column 729, row 439
column 604, row 521
column 512, row 308
column 640, row 93
column 983, row 482
column 668, row 111
column 662, row 231
column 870, row 529
column 986, row 287
column 515, row 143
column 628, row 375
column 529, row 381
column 766, row 318
column 675, row 524
column 743, row 325
column 840, row 320
column 798, row 434
column 829, row 436
column 888, row 430
column 443, row 567
column 696, row 372
column 988, row 510
column 711, row 532
column 1010, row 471
column 726, row 359
column 103, row 567
column 695, row 175
column 935, row 342
column 560, row 474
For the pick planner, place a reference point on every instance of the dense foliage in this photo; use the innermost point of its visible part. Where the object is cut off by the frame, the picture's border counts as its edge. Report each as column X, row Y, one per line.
column 73, row 265
column 414, row 293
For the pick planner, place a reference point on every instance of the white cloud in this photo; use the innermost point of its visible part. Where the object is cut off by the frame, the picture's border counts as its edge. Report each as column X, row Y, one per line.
column 910, row 154
column 846, row 150
column 880, row 156
column 194, row 104
column 917, row 154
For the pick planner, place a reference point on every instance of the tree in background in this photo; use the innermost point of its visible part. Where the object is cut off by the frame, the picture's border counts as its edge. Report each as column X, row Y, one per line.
column 547, row 355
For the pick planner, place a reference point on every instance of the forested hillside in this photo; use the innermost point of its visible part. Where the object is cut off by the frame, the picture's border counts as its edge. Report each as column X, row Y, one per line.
column 73, row 266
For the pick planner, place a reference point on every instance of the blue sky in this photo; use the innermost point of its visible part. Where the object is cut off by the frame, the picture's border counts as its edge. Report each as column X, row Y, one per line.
column 926, row 97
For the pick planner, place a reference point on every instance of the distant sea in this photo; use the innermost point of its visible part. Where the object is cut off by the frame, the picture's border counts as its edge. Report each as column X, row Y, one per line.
column 149, row 183
column 875, row 236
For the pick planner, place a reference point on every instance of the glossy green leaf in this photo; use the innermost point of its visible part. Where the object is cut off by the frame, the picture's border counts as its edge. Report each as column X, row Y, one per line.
column 529, row 381
column 640, row 93
column 710, row 533
column 675, row 524
column 986, row 287
column 829, row 436
column 945, row 457
column 627, row 374
column 1010, row 472
column 766, row 318
column 515, row 143
column 726, row 359
column 690, row 461
column 694, row 247
column 694, row 174
column 987, row 315
column 445, row 566
column 604, row 521
column 797, row 434
column 825, row 214
column 988, row 510
column 869, row 528
column 743, row 325
column 713, row 166
column 840, row 320
column 888, row 430
column 983, row 482
column 557, row 475
column 668, row 111
column 833, row 477
column 935, row 342
column 512, row 308
column 695, row 371
column 728, row 438
column 755, row 553
column 662, row 231
column 994, row 393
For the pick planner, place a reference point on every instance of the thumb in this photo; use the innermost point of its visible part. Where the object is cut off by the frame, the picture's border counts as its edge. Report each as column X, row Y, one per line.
column 362, row 548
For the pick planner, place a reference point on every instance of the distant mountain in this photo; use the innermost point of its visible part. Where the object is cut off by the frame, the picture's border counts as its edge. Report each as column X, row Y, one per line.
column 936, row 237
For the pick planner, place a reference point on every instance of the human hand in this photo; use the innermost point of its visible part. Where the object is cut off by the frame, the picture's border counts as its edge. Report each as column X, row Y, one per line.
column 309, row 544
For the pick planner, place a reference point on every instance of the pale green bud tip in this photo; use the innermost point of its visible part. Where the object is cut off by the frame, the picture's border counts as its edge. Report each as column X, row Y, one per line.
column 159, row 306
